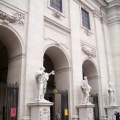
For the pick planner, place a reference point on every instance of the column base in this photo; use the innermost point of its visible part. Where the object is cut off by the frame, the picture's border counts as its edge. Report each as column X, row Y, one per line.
column 40, row 110
column 111, row 110
column 86, row 111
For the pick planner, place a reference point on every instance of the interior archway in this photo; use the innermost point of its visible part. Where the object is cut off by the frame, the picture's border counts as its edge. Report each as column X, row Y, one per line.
column 55, row 59
column 61, row 66
column 3, row 63
column 14, row 48
column 90, row 71
column 10, row 68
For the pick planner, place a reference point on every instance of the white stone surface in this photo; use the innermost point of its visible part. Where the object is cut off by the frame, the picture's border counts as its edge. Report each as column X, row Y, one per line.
column 61, row 38
column 110, row 111
column 86, row 111
column 40, row 110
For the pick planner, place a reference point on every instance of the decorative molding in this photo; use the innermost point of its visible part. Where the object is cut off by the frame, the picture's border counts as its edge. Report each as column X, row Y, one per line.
column 113, row 3
column 11, row 85
column 93, row 78
column 87, row 31
column 44, row 114
column 86, row 3
column 15, row 18
column 77, row 1
column 104, row 20
column 90, row 114
column 57, row 24
column 102, row 2
column 90, row 52
column 100, row 17
column 56, row 14
column 114, row 18
column 57, row 43
column 114, row 21
column 62, row 70
column 20, row 56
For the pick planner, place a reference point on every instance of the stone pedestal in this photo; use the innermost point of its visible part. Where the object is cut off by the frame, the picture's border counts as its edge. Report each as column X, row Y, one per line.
column 110, row 111
column 86, row 111
column 40, row 110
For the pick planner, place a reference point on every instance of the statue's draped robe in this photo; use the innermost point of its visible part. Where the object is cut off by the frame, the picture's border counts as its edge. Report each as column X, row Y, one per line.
column 86, row 89
column 111, row 96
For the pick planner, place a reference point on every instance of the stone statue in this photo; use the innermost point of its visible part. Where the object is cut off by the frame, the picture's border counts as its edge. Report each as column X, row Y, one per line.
column 86, row 90
column 111, row 95
column 41, row 83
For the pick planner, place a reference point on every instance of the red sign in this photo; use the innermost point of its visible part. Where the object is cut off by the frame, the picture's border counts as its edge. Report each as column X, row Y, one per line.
column 13, row 112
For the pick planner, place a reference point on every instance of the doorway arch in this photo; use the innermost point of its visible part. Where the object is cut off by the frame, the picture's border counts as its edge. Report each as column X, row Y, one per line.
column 11, row 63
column 55, row 58
column 90, row 71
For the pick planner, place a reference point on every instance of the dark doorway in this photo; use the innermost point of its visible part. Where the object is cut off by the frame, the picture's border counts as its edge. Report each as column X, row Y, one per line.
column 94, row 100
column 59, row 97
column 10, row 100
column 3, row 78
column 50, row 95
column 8, row 92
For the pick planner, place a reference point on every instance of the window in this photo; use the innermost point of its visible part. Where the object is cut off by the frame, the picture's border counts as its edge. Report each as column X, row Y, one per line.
column 85, row 19
column 57, row 4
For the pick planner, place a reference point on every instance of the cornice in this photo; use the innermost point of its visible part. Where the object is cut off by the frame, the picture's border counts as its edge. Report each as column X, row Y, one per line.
column 57, row 24
column 100, row 17
column 113, row 3
column 114, row 21
column 85, row 3
column 102, row 2
column 16, row 57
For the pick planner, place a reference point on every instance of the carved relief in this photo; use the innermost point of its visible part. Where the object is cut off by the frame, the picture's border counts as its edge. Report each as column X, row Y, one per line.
column 56, row 14
column 87, row 32
column 15, row 18
column 90, row 114
column 90, row 52
column 44, row 114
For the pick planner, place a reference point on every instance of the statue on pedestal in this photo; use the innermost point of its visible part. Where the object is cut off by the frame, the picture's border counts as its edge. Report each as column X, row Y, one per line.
column 111, row 95
column 86, row 90
column 41, row 78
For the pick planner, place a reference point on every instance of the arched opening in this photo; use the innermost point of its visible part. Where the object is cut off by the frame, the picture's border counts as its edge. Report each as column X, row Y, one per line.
column 90, row 71
column 10, row 66
column 3, row 63
column 3, row 77
column 55, row 59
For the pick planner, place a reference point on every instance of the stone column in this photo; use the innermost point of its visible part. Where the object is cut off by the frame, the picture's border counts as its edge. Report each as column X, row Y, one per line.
column 86, row 111
column 40, row 110
column 110, row 111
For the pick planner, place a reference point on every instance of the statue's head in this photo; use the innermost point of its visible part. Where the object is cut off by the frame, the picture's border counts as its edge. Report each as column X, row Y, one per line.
column 109, row 84
column 85, row 78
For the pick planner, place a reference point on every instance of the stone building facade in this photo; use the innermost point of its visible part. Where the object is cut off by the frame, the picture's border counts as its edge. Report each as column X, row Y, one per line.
column 76, row 38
